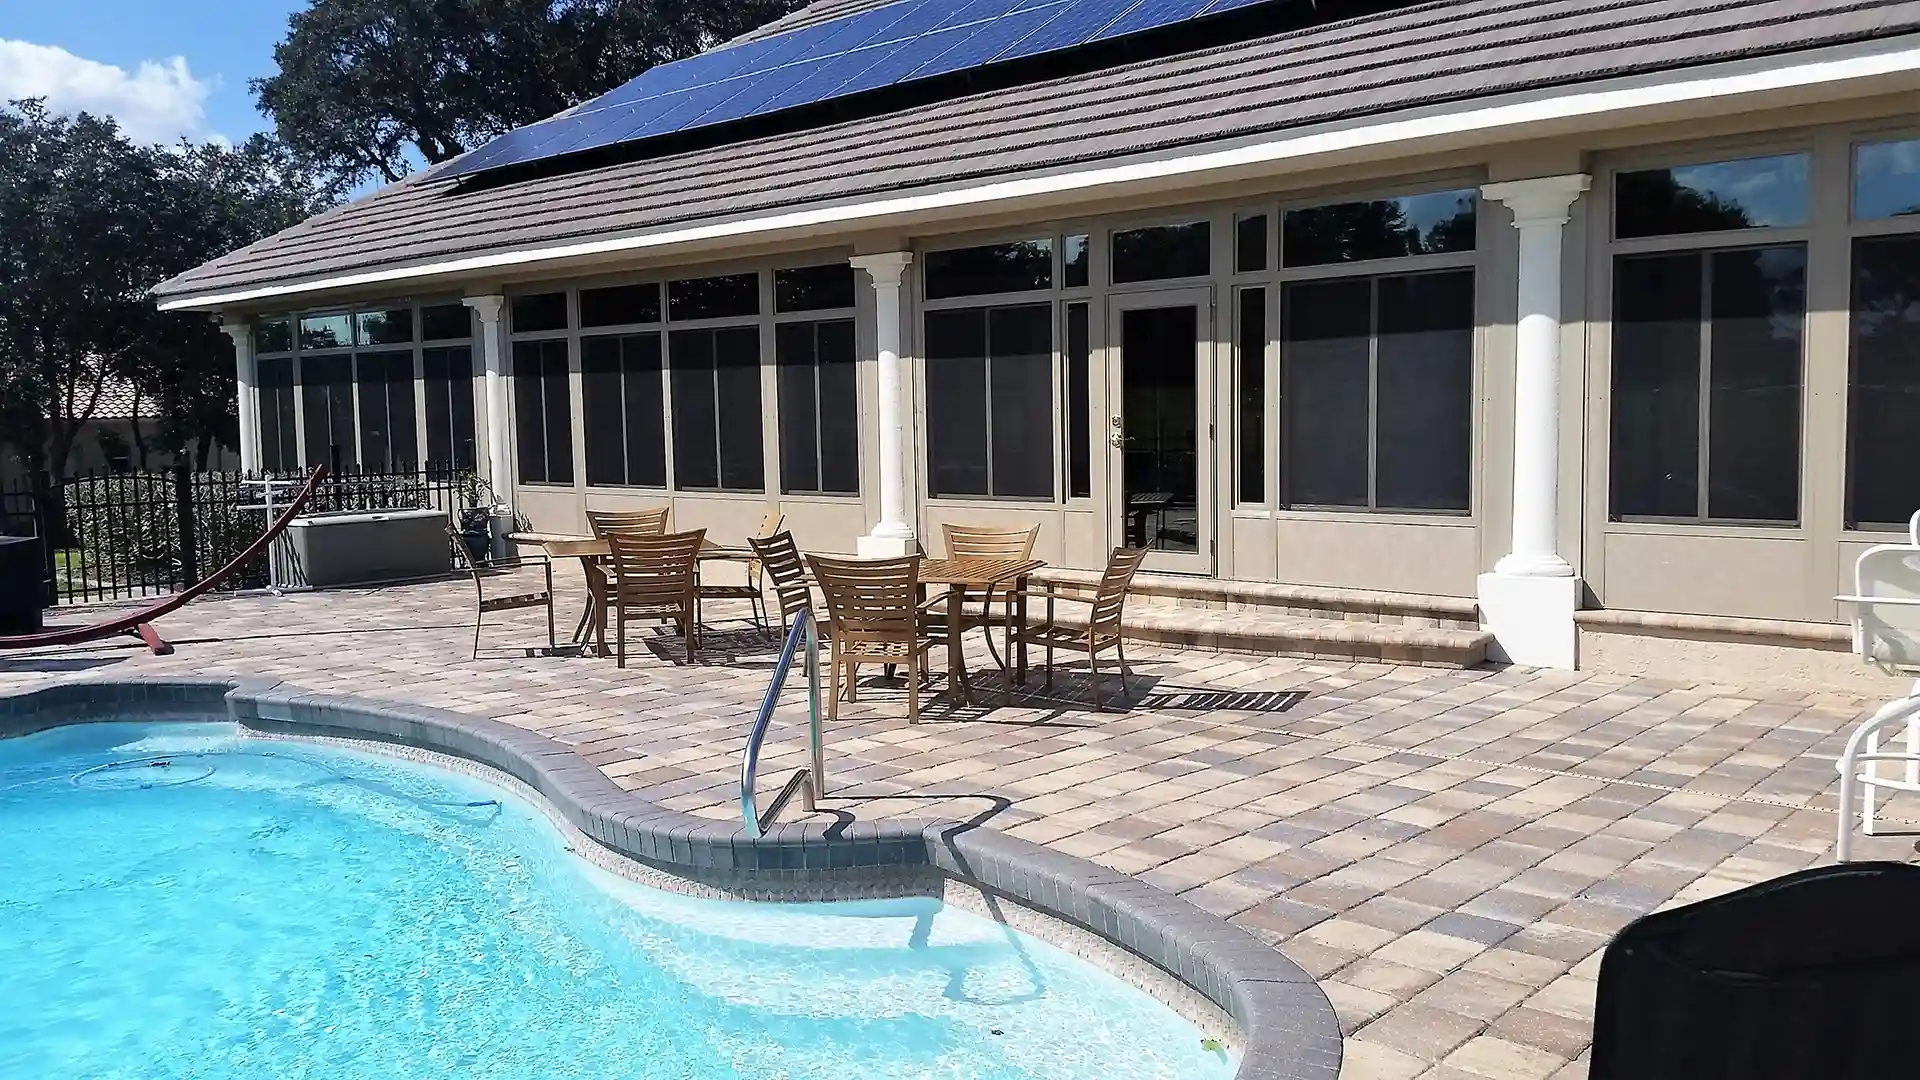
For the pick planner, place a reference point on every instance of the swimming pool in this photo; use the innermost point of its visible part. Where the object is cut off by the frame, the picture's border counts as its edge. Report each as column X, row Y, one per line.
column 266, row 908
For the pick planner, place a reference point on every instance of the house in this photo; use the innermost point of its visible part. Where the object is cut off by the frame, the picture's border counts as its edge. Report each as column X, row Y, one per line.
column 118, row 434
column 1600, row 318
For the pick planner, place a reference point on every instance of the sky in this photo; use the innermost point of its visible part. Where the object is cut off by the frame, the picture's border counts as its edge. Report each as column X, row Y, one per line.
column 163, row 68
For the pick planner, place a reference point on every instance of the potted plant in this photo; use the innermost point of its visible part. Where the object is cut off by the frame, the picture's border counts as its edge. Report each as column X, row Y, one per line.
column 476, row 517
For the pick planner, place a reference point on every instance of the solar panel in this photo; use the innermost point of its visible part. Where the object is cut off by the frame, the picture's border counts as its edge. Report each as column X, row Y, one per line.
column 899, row 43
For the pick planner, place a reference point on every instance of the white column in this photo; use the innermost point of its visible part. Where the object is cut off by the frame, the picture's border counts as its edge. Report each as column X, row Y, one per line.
column 246, row 399
column 1529, row 599
column 493, row 353
column 893, row 535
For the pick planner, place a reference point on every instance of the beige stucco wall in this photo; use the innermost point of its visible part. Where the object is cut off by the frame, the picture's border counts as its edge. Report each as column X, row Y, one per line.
column 1787, row 573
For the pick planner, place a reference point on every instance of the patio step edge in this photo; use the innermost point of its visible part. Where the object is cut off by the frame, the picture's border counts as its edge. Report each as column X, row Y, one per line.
column 1414, row 610
column 1306, row 638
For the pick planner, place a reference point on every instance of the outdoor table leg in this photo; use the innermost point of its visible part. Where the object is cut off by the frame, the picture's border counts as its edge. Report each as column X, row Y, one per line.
column 594, row 618
column 1019, row 616
column 956, row 662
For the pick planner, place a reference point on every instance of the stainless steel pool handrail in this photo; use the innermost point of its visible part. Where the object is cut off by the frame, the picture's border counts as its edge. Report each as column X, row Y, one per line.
column 810, row 783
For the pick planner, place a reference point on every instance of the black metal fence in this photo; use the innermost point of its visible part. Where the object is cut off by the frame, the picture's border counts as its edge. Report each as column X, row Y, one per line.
column 127, row 535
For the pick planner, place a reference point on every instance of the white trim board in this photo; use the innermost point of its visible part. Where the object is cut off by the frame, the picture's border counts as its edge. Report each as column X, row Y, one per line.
column 1487, row 118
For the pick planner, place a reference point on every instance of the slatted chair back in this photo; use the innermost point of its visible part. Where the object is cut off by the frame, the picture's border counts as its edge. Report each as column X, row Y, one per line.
column 870, row 602
column 633, row 522
column 654, row 571
column 780, row 557
column 975, row 542
column 1110, row 597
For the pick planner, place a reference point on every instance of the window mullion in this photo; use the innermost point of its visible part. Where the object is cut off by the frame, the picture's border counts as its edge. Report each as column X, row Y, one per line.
column 1373, row 394
column 986, row 372
column 1702, row 465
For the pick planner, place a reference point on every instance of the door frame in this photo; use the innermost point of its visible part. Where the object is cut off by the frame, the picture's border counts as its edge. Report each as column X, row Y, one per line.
column 1205, row 561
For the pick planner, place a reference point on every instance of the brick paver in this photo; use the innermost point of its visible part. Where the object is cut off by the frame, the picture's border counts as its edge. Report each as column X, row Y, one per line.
column 1447, row 851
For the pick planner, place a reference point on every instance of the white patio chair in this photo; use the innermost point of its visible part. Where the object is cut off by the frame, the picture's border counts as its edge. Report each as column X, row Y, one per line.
column 1886, row 634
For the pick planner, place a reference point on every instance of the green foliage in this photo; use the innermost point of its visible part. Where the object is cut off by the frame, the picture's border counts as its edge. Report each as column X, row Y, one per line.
column 92, row 222
column 126, row 521
column 366, row 88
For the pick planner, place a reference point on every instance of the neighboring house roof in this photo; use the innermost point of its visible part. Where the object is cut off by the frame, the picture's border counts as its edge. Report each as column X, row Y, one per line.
column 116, row 402
column 1443, row 52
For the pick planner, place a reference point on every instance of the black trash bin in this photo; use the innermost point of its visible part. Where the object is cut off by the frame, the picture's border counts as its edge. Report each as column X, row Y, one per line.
column 23, row 584
column 1812, row 976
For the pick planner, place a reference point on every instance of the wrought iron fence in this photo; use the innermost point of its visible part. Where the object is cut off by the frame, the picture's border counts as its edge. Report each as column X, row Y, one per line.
column 127, row 535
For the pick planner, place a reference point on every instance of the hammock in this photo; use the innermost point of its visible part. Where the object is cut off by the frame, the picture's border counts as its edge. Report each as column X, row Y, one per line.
column 140, row 621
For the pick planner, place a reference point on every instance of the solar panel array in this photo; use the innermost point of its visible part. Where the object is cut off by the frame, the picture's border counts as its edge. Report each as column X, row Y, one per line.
column 902, row 42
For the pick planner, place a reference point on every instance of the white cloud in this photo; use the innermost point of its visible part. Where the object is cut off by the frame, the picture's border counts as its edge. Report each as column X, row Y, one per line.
column 159, row 102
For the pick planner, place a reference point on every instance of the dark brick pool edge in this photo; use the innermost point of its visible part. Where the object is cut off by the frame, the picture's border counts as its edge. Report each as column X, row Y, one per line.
column 1287, row 1026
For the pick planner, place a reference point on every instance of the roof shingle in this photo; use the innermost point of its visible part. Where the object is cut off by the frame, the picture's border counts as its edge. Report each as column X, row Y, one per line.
column 1447, row 51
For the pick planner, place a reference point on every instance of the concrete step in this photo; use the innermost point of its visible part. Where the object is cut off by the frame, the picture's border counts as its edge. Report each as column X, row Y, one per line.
column 1284, row 635
column 1272, row 599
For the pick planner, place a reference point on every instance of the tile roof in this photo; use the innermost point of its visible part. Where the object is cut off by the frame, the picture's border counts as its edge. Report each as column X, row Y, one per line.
column 1446, row 51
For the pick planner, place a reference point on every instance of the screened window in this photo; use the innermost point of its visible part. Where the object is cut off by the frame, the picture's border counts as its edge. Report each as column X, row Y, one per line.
column 716, row 409
column 279, row 443
column 1886, row 180
column 387, row 432
column 326, row 331
column 990, row 401
column 271, row 337
column 446, row 322
column 1377, row 392
column 1706, row 384
column 1752, row 193
column 541, row 311
column 1431, row 224
column 542, row 412
column 813, row 288
column 624, row 411
column 1161, row 251
column 392, row 327
column 1076, row 262
column 1022, row 266
column 1250, row 243
column 1250, row 341
column 620, row 305
column 448, row 379
column 819, row 417
column 724, row 297
column 326, row 400
column 1079, row 356
column 1883, row 487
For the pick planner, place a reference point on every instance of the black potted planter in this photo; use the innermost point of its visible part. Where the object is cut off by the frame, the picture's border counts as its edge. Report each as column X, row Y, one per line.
column 476, row 532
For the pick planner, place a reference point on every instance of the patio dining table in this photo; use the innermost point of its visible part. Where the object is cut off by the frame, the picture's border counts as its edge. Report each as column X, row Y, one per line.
column 593, row 552
column 979, row 574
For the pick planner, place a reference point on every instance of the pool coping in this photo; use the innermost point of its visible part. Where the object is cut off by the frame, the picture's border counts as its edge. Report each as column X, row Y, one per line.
column 1288, row 1030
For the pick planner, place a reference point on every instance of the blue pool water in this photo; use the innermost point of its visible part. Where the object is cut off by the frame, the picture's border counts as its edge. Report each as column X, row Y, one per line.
column 266, row 909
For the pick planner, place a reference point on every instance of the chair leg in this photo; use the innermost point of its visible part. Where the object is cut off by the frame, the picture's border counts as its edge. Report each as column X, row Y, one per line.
column 619, row 636
column 478, row 618
column 1120, row 647
column 913, row 689
column 853, row 677
column 1093, row 665
column 833, row 686
column 1049, row 663
column 553, row 644
column 687, row 629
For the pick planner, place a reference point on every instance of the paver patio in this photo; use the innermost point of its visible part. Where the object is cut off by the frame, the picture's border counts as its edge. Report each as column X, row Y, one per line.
column 1447, row 851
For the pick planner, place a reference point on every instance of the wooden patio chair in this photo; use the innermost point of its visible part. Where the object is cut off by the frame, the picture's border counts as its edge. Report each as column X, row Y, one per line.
column 875, row 617
column 975, row 542
column 751, row 591
column 512, row 602
column 636, row 522
column 780, row 558
column 1102, row 629
column 653, row 577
